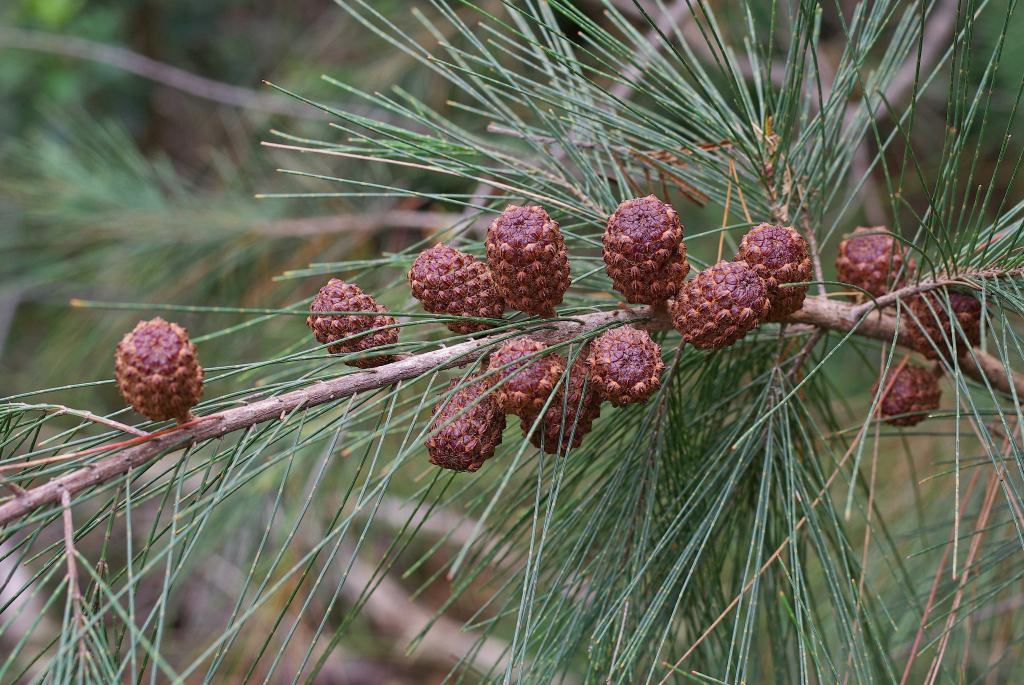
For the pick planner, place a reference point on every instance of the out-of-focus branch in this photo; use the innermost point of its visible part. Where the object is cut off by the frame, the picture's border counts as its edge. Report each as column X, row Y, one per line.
column 143, row 66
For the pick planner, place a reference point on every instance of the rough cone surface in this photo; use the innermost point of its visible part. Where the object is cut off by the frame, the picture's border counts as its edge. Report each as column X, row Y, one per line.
column 916, row 389
column 779, row 255
column 469, row 440
column 644, row 253
column 453, row 283
column 575, row 412
column 720, row 305
column 935, row 329
column 871, row 259
column 625, row 366
column 529, row 382
column 338, row 296
column 157, row 371
column 527, row 258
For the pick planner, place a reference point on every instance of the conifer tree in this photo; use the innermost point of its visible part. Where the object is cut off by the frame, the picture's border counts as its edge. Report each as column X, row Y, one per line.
column 734, row 517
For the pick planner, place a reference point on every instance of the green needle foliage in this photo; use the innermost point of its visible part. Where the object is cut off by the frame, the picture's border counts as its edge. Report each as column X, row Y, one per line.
column 755, row 521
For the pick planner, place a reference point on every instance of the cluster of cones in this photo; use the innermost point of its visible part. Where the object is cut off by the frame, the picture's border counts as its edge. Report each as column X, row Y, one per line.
column 527, row 269
column 877, row 263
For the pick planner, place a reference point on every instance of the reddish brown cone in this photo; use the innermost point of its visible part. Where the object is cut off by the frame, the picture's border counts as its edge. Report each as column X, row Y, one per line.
column 720, row 305
column 453, row 283
column 644, row 253
column 474, row 432
column 567, row 417
column 779, row 255
column 934, row 329
column 527, row 383
column 528, row 261
column 625, row 366
column 338, row 296
column 157, row 371
column 872, row 259
column 915, row 389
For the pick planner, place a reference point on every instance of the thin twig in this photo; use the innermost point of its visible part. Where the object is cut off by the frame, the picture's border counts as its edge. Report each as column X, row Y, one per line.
column 74, row 594
column 817, row 311
column 812, row 242
column 60, row 409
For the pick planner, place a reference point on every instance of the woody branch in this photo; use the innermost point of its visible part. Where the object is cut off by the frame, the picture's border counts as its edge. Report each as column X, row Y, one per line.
column 817, row 311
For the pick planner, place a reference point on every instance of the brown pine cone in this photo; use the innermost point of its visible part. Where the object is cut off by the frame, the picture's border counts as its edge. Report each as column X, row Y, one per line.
column 644, row 253
column 915, row 389
column 453, row 283
column 935, row 330
column 527, row 258
column 871, row 259
column 625, row 366
column 779, row 255
column 527, row 384
column 576, row 413
column 344, row 331
column 720, row 305
column 469, row 440
column 157, row 371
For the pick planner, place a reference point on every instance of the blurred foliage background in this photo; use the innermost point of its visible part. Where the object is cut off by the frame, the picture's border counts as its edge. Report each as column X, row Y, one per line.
column 130, row 175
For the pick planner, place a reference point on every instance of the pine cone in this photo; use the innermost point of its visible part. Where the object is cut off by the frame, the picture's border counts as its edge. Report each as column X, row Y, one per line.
column 779, row 255
column 576, row 414
column 527, row 384
column 469, row 440
column 934, row 329
column 644, row 253
column 338, row 296
column 157, row 371
column 528, row 261
column 915, row 389
column 453, row 283
column 871, row 259
column 720, row 305
column 625, row 366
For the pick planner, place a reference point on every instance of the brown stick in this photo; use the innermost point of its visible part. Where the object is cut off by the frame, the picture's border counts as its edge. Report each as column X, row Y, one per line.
column 817, row 311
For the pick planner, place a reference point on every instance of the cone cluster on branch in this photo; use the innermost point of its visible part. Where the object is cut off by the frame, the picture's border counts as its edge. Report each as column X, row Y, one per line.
column 644, row 252
column 351, row 333
column 469, row 426
column 157, row 371
column 930, row 324
column 873, row 260
column 909, row 395
column 779, row 255
column 528, row 261
column 527, row 269
column 453, row 283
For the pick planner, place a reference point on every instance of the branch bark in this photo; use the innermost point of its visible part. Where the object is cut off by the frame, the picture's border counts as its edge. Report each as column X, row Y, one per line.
column 817, row 311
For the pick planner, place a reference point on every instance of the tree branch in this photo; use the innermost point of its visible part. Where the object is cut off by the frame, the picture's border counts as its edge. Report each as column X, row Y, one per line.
column 817, row 311
column 143, row 66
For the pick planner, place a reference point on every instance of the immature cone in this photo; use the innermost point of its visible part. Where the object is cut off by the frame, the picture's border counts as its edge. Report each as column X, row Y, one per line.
column 935, row 330
column 453, row 283
column 528, row 382
column 644, row 253
column 157, row 371
column 625, row 366
column 915, row 389
column 566, row 417
column 779, row 255
column 720, row 305
column 469, row 440
column 527, row 258
column 338, row 296
column 872, row 259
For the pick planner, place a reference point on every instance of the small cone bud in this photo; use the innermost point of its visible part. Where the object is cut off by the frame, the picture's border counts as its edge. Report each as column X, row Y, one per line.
column 351, row 334
column 157, row 371
column 720, row 305
column 474, row 430
column 452, row 283
column 528, row 261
